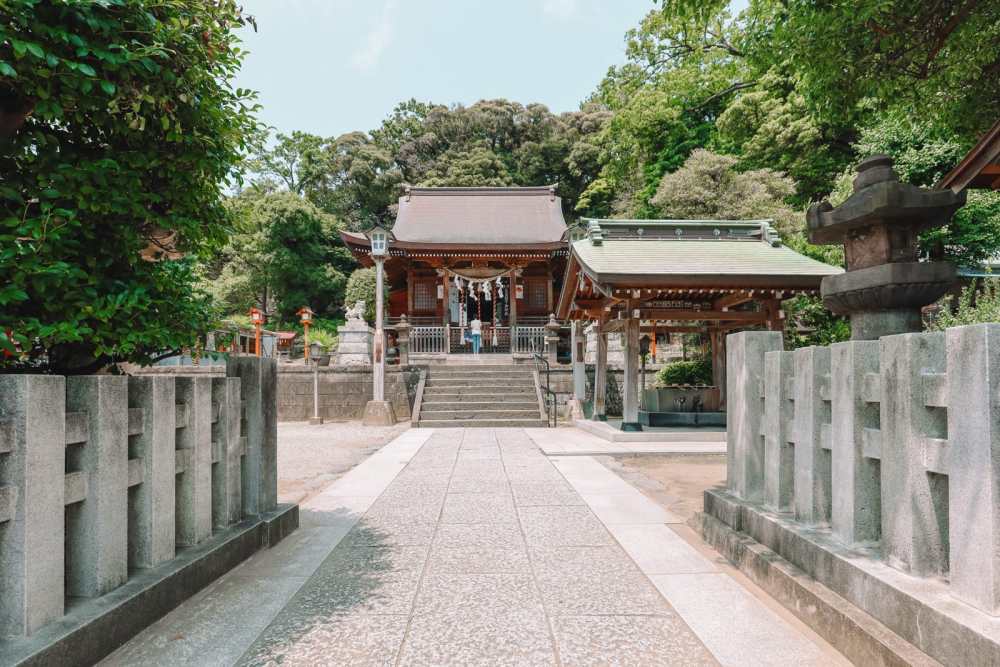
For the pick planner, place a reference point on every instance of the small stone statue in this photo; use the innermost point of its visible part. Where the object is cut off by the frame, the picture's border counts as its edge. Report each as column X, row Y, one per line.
column 356, row 312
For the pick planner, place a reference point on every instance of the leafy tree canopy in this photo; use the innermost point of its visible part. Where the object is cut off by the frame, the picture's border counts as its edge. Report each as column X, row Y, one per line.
column 119, row 125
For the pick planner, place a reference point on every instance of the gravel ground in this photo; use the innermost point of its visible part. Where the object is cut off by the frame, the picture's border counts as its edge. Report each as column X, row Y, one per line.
column 311, row 457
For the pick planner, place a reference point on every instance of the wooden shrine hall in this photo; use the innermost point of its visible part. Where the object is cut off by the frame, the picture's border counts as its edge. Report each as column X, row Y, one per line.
column 676, row 276
column 495, row 254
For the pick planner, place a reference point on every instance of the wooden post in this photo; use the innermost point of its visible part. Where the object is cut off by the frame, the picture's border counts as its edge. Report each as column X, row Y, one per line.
column 409, row 292
column 717, row 338
column 513, row 300
column 601, row 374
column 446, row 305
column 772, row 307
column 630, row 405
column 548, row 297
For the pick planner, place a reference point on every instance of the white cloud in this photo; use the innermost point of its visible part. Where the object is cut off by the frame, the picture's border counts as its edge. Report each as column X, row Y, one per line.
column 378, row 40
column 561, row 9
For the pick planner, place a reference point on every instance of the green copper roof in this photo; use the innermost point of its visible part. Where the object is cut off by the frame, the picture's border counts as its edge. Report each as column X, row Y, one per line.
column 616, row 251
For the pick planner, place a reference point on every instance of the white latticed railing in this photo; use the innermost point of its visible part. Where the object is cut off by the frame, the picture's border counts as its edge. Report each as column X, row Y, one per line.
column 529, row 339
column 428, row 340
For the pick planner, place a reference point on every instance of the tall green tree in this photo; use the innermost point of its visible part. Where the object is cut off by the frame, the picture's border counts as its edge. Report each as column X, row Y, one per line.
column 119, row 126
column 285, row 254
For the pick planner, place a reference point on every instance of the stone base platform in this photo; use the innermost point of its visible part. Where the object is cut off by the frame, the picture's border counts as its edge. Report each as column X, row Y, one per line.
column 93, row 628
column 873, row 614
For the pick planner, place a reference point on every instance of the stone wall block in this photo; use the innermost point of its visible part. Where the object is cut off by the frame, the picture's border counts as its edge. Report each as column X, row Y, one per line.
column 227, row 507
column 857, row 499
column 258, row 385
column 745, row 400
column 914, row 500
column 779, row 410
column 973, row 393
column 813, row 484
column 151, row 522
column 32, row 412
column 97, row 527
column 194, row 485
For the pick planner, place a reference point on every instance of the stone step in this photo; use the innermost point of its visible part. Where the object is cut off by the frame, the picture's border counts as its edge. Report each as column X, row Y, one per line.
column 480, row 374
column 482, row 423
column 481, row 382
column 432, row 415
column 480, row 394
column 449, row 368
column 493, row 403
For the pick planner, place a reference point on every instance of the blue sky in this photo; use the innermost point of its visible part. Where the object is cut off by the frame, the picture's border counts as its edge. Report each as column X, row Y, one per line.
column 332, row 66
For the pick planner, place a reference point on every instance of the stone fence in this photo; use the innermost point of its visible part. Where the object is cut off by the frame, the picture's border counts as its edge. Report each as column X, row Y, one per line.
column 888, row 447
column 105, row 477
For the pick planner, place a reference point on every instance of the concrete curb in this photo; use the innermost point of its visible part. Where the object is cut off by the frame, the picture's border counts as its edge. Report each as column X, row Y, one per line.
column 93, row 628
column 857, row 635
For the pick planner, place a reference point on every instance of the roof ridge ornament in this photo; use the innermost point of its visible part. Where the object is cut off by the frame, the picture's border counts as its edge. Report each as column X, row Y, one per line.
column 769, row 234
column 594, row 232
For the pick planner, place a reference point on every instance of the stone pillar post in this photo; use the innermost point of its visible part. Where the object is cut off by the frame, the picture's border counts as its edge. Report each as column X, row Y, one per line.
column 745, row 401
column 227, row 453
column 552, row 340
column 973, row 400
column 856, row 513
column 98, row 526
column 630, row 403
column 151, row 514
column 258, row 386
column 601, row 375
column 914, row 494
column 779, row 412
column 32, row 460
column 579, row 366
column 811, row 435
column 194, row 460
column 403, row 340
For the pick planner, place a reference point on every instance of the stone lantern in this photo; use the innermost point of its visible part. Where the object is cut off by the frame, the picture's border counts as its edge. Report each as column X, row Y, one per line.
column 885, row 285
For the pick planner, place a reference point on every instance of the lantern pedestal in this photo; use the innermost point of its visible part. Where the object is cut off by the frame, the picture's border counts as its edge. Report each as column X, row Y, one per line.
column 379, row 413
column 354, row 347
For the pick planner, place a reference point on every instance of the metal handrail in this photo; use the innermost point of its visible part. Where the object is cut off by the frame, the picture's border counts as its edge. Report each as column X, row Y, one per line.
column 550, row 414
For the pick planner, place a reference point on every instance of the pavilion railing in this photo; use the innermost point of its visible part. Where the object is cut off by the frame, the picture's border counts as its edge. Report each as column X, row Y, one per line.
column 428, row 340
column 528, row 340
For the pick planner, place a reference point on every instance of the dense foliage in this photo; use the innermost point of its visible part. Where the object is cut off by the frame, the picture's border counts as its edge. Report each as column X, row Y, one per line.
column 361, row 287
column 692, row 371
column 977, row 303
column 118, row 127
column 284, row 254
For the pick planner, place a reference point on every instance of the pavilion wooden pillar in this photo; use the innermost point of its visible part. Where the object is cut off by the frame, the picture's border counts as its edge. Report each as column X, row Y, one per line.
column 717, row 338
column 579, row 345
column 513, row 302
column 773, row 309
column 601, row 373
column 446, row 314
column 630, row 394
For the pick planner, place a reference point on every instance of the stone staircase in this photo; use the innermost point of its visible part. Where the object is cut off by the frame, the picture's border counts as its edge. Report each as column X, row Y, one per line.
column 480, row 395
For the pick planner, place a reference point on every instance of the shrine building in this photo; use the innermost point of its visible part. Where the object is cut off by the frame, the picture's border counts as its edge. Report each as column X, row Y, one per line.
column 496, row 254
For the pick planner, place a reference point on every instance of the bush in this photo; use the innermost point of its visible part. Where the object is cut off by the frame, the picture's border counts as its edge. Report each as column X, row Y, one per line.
column 978, row 303
column 693, row 371
column 325, row 338
column 361, row 287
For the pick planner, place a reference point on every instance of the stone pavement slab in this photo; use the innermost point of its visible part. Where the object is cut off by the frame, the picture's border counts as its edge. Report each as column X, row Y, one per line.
column 471, row 547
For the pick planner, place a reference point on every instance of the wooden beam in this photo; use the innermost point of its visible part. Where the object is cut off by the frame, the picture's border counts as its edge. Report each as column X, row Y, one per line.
column 731, row 300
column 687, row 315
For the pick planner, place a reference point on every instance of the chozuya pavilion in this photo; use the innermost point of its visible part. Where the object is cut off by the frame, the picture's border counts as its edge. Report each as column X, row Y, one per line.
column 495, row 254
column 635, row 277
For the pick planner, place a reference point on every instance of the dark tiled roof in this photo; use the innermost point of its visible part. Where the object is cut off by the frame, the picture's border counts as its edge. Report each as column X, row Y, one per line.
column 480, row 216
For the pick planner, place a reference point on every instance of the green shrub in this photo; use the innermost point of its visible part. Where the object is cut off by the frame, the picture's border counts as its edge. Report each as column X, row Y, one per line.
column 325, row 338
column 978, row 303
column 693, row 371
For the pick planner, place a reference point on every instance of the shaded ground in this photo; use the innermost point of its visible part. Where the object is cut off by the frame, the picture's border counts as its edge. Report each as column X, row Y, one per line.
column 675, row 482
column 311, row 457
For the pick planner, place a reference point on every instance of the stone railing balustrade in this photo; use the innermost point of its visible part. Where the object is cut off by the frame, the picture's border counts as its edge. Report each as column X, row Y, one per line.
column 892, row 443
column 105, row 475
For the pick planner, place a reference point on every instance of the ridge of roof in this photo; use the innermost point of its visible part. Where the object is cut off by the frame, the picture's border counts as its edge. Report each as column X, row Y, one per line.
column 547, row 190
column 599, row 230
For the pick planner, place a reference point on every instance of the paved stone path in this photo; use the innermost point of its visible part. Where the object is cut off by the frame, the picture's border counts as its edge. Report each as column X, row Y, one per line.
column 472, row 547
